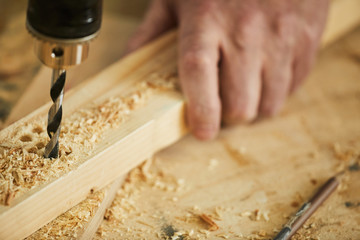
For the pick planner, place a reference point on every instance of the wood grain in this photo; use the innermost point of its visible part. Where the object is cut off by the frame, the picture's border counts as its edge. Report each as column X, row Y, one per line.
column 162, row 125
column 252, row 178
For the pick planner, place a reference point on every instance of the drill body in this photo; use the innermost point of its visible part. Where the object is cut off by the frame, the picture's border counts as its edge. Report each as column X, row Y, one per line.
column 62, row 30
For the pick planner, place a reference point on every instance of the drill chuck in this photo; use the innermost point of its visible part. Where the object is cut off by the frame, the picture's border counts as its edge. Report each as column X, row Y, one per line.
column 63, row 29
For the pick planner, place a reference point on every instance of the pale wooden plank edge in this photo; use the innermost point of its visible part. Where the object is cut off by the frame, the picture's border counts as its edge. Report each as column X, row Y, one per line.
column 32, row 223
column 93, row 225
column 94, row 87
column 343, row 17
column 138, row 140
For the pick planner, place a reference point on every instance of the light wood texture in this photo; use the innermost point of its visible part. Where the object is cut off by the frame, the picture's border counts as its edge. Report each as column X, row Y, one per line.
column 268, row 168
column 91, row 228
column 343, row 17
column 101, row 56
column 137, row 139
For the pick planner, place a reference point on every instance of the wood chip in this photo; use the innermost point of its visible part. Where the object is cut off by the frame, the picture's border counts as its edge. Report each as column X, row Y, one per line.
column 212, row 225
column 9, row 197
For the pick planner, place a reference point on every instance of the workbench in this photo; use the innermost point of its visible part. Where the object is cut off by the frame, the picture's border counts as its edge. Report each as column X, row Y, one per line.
column 251, row 179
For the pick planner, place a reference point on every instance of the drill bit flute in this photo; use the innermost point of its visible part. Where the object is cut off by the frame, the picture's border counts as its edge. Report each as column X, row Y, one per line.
column 55, row 113
column 62, row 30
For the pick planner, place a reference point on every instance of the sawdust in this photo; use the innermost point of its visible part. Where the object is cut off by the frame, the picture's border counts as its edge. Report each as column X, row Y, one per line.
column 125, row 220
column 256, row 215
column 69, row 224
column 346, row 153
column 22, row 166
column 144, row 208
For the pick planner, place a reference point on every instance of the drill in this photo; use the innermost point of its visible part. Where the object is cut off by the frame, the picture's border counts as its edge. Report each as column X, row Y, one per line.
column 62, row 30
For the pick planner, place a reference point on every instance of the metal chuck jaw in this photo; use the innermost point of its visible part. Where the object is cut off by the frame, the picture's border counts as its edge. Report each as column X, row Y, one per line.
column 62, row 30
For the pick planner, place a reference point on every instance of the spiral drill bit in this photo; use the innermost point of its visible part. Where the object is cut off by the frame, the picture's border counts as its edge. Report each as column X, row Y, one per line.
column 55, row 113
column 62, row 31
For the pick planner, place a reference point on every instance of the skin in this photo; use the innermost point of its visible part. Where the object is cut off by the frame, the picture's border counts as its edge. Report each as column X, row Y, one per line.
column 238, row 59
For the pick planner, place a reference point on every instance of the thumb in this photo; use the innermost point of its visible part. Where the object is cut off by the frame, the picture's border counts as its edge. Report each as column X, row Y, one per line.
column 158, row 19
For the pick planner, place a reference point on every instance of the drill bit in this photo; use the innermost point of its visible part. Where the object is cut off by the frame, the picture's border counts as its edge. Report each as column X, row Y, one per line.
column 62, row 31
column 55, row 113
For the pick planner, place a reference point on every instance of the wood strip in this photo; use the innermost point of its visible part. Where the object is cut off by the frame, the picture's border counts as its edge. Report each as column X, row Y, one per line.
column 343, row 17
column 93, row 225
column 136, row 140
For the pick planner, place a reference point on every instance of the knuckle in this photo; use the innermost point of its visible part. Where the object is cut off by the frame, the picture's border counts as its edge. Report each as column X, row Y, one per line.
column 244, row 34
column 284, row 27
column 284, row 24
column 196, row 60
column 248, row 21
column 207, row 6
column 251, row 17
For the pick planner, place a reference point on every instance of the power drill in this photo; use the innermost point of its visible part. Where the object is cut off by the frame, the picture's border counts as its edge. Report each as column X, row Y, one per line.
column 62, row 30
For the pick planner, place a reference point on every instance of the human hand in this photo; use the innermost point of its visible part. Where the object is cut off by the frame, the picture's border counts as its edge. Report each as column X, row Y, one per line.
column 238, row 59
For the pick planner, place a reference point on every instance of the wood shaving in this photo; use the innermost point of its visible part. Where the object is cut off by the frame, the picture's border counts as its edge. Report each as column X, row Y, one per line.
column 124, row 208
column 212, row 225
column 69, row 224
column 343, row 153
column 22, row 165
column 213, row 164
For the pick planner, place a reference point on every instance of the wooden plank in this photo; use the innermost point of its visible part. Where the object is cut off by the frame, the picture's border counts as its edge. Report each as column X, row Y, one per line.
column 147, row 134
column 100, row 58
column 93, row 225
column 343, row 17
column 164, row 108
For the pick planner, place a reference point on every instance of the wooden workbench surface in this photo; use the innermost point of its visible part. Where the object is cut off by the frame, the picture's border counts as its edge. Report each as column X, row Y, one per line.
column 253, row 177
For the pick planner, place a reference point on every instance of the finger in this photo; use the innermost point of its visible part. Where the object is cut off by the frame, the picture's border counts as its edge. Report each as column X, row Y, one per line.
column 240, row 83
column 302, row 66
column 276, row 83
column 198, row 58
column 158, row 19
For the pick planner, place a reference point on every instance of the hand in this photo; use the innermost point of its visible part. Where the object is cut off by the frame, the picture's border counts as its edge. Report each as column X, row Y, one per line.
column 238, row 59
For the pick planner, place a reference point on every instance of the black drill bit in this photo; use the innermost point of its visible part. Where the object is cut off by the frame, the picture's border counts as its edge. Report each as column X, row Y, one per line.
column 55, row 113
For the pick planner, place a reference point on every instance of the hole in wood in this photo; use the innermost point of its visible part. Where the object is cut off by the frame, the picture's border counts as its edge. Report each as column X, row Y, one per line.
column 37, row 130
column 26, row 138
column 40, row 145
column 32, row 150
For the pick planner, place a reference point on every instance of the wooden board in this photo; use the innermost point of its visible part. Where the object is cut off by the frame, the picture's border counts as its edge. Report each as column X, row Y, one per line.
column 253, row 177
column 343, row 17
column 35, row 95
column 162, row 125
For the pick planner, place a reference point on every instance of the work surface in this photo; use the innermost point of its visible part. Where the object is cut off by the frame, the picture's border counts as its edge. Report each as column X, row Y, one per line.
column 253, row 177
